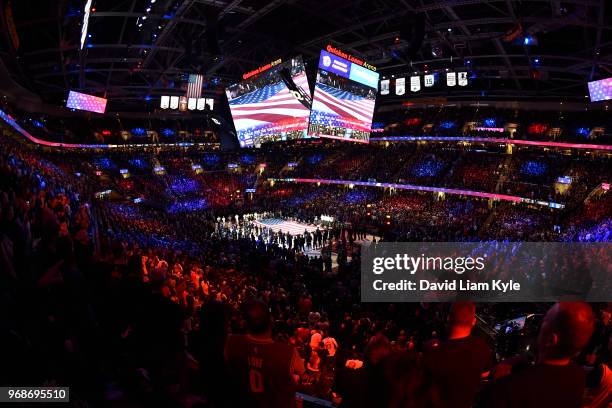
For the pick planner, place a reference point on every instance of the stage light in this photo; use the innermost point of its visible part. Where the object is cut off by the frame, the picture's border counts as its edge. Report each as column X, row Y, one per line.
column 530, row 40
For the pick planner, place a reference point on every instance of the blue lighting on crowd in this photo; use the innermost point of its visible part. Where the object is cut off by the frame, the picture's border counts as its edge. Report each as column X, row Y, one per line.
column 188, row 206
column 314, row 159
column 447, row 125
column 211, row 159
column 247, row 159
column 168, row 132
column 128, row 211
column 139, row 131
column 533, row 168
column 37, row 123
column 183, row 185
column 103, row 163
column 582, row 131
column 138, row 163
column 490, row 122
column 427, row 168
column 600, row 232
column 358, row 196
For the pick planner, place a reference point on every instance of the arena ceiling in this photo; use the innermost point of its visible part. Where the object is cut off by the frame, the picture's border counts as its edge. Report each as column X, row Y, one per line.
column 513, row 49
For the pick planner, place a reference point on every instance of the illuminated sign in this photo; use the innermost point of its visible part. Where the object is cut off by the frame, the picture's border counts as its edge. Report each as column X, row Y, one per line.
column 462, row 78
column 384, row 87
column 349, row 57
column 364, row 76
column 165, row 102
column 191, row 103
column 489, row 129
column 564, row 180
column 600, row 90
column 400, row 86
column 201, row 105
column 183, row 103
column 429, row 80
column 451, row 79
column 415, row 83
column 261, row 69
column 77, row 100
column 347, row 69
column 85, row 22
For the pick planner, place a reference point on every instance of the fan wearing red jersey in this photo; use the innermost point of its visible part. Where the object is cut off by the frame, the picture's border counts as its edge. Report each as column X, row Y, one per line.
column 265, row 372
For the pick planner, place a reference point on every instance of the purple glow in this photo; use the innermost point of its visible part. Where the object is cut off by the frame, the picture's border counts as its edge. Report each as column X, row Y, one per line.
column 77, row 100
column 601, row 90
column 495, row 196
column 490, row 140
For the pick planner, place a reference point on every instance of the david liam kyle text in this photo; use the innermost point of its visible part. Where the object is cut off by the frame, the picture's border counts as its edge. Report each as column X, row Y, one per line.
column 456, row 285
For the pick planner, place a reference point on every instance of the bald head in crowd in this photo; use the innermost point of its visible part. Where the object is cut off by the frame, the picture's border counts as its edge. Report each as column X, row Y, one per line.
column 258, row 317
column 566, row 329
column 461, row 319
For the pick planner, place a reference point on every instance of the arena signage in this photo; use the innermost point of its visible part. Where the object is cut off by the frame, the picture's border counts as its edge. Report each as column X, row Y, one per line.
column 349, row 57
column 261, row 69
column 347, row 69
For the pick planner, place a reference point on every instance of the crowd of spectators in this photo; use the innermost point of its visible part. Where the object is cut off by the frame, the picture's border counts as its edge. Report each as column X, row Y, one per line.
column 133, row 305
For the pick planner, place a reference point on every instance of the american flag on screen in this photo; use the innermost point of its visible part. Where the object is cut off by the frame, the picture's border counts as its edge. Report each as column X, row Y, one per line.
column 277, row 224
column 344, row 104
column 269, row 105
column 194, row 86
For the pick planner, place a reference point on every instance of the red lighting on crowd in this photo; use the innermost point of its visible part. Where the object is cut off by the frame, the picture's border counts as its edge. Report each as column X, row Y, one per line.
column 106, row 132
column 412, row 122
column 537, row 128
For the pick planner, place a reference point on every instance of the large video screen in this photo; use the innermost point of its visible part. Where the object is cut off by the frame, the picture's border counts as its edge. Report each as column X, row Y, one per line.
column 271, row 104
column 601, row 90
column 77, row 100
column 344, row 98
